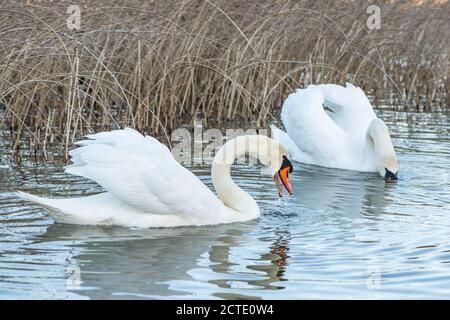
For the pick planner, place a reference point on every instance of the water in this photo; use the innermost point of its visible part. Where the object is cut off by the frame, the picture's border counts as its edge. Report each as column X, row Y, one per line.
column 343, row 235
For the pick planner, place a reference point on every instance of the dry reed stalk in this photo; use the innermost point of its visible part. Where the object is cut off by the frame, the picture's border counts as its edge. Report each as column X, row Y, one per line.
column 157, row 65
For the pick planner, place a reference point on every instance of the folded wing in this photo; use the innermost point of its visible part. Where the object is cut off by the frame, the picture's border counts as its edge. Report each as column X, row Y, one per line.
column 141, row 172
column 349, row 107
column 310, row 127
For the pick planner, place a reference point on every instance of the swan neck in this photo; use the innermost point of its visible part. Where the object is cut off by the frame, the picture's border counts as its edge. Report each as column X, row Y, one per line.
column 379, row 146
column 378, row 136
column 228, row 192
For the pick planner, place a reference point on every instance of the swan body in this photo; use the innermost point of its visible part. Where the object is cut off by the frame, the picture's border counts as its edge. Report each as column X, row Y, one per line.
column 146, row 187
column 348, row 135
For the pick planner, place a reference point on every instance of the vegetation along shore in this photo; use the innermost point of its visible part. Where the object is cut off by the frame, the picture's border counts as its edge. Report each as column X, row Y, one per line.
column 158, row 65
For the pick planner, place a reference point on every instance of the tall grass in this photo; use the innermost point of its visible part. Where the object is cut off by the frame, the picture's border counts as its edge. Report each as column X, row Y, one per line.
column 155, row 65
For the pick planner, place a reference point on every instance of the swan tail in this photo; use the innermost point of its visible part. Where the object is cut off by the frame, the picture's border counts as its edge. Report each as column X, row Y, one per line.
column 32, row 198
column 53, row 206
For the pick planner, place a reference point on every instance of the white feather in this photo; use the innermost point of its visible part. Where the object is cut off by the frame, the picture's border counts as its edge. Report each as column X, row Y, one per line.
column 337, row 138
column 146, row 187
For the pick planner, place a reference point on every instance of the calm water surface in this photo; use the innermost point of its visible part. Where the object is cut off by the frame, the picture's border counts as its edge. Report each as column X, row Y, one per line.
column 343, row 235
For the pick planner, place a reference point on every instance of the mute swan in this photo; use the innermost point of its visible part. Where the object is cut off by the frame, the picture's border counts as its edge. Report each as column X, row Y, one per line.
column 146, row 187
column 348, row 135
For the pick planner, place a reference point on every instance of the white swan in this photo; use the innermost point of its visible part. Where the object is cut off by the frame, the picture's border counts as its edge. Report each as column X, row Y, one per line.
column 348, row 135
column 146, row 187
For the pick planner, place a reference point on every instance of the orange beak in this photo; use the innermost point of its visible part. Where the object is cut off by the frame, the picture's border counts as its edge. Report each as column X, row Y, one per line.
column 283, row 175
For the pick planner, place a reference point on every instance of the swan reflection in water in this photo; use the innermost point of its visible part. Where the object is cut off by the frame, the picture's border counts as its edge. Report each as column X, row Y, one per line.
column 344, row 192
column 157, row 263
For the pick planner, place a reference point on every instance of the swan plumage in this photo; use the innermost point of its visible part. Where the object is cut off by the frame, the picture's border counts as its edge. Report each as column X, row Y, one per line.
column 146, row 187
column 335, row 126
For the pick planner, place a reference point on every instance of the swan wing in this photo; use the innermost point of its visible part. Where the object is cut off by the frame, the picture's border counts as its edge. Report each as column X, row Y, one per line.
column 141, row 172
column 349, row 107
column 311, row 128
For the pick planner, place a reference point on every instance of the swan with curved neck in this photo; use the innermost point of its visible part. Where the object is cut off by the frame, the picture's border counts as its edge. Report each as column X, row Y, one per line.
column 146, row 187
column 334, row 126
column 267, row 151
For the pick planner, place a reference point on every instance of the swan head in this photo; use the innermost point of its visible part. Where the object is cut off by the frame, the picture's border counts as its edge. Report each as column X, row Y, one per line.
column 282, row 174
column 380, row 145
column 270, row 153
column 275, row 156
column 281, row 166
column 388, row 168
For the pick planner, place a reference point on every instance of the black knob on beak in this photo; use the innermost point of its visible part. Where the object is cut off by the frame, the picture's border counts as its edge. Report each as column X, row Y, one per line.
column 390, row 176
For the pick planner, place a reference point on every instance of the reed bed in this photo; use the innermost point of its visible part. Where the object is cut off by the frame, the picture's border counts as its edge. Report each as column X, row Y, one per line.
column 157, row 65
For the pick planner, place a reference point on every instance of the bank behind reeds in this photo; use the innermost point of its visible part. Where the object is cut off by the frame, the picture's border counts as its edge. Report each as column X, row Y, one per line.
column 157, row 65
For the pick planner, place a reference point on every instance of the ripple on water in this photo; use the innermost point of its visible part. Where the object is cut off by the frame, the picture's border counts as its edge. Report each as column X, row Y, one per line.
column 342, row 235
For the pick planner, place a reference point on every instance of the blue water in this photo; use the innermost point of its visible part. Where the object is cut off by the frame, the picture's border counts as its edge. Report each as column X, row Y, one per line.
column 342, row 235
